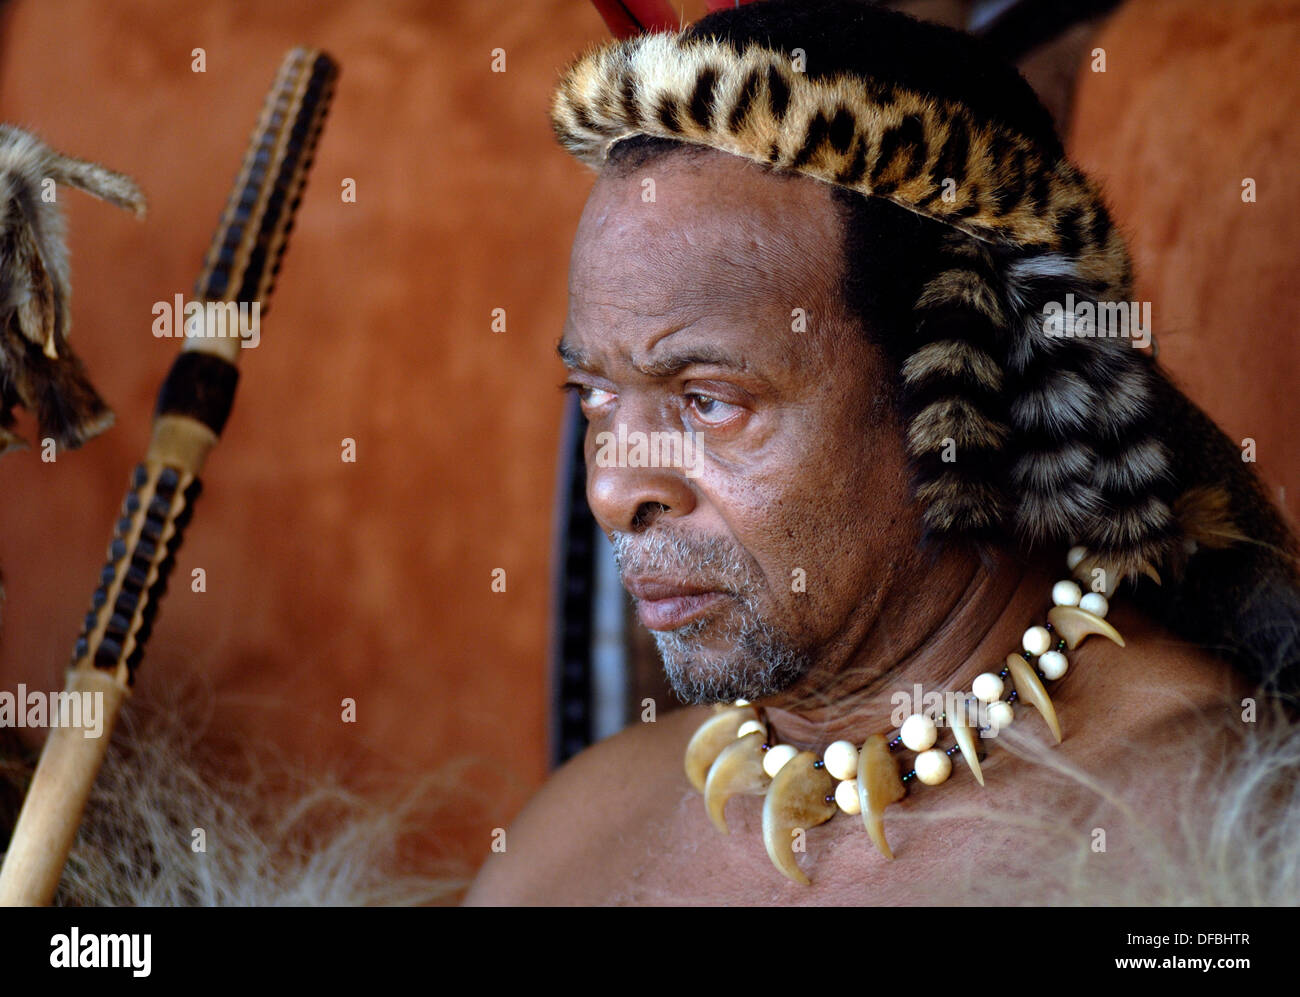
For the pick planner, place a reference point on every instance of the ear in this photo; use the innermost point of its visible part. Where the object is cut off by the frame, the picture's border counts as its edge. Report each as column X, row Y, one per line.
column 96, row 180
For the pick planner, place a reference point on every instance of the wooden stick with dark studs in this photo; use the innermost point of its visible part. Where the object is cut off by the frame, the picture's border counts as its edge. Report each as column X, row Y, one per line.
column 193, row 404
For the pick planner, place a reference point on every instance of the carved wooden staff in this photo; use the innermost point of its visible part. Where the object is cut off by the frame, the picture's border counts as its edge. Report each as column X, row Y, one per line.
column 193, row 404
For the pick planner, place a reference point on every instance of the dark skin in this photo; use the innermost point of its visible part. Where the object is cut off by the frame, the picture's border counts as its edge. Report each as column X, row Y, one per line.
column 680, row 319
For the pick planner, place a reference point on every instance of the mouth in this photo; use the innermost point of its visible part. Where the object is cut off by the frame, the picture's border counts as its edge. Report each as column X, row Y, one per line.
column 666, row 604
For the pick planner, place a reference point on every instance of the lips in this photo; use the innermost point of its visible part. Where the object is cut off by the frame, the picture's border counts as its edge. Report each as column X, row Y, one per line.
column 665, row 604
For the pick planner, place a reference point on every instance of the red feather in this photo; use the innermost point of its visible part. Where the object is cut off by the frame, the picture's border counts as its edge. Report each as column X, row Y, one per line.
column 632, row 17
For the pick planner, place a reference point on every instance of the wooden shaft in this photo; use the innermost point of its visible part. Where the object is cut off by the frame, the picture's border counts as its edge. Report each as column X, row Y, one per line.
column 193, row 404
column 67, row 769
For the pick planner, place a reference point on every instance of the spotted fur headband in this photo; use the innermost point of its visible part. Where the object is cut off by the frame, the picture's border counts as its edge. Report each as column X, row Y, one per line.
column 866, row 135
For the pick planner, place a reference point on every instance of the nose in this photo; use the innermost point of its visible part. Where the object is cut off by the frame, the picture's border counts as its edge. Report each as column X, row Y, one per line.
column 631, row 499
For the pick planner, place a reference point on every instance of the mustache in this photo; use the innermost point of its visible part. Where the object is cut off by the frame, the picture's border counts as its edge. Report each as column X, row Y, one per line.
column 702, row 560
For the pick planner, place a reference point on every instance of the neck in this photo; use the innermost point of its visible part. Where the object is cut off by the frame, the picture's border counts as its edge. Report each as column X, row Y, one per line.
column 938, row 627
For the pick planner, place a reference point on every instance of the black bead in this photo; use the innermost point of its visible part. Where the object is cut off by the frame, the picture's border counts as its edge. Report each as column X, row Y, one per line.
column 819, row 764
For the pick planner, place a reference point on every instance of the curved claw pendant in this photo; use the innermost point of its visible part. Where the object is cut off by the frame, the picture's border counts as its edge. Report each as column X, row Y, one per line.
column 795, row 801
column 879, row 785
column 709, row 741
column 965, row 737
column 738, row 769
column 1075, row 624
column 1032, row 692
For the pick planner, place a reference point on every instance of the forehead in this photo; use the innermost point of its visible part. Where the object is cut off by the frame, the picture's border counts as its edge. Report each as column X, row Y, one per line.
column 711, row 234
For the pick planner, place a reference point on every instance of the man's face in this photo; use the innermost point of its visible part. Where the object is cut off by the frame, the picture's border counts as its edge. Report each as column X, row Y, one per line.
column 712, row 313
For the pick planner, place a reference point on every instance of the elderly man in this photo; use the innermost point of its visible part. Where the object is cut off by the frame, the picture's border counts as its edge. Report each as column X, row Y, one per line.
column 825, row 242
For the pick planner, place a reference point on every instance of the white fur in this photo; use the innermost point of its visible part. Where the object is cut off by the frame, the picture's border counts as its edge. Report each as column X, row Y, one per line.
column 274, row 836
column 1235, row 839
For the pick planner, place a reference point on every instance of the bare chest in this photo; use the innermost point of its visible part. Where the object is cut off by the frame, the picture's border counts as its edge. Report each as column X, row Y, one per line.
column 680, row 858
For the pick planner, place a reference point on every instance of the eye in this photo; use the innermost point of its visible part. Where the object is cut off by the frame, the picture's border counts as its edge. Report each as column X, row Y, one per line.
column 589, row 396
column 710, row 410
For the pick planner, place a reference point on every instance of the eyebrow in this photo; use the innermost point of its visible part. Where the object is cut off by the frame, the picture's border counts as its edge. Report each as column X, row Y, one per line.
column 665, row 366
column 572, row 357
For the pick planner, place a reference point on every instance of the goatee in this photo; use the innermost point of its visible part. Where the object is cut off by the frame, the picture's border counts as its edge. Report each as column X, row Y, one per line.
column 741, row 655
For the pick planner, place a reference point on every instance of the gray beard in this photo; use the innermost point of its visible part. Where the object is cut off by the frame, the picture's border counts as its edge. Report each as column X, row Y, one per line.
column 759, row 659
column 759, row 662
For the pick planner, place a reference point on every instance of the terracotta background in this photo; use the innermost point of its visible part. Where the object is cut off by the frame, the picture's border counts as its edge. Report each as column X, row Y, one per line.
column 1198, row 95
column 372, row 580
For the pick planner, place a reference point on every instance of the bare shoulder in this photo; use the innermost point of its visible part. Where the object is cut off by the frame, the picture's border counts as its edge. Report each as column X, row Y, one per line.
column 584, row 831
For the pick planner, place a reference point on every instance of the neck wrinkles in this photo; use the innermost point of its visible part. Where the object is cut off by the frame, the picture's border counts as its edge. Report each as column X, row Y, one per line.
column 939, row 640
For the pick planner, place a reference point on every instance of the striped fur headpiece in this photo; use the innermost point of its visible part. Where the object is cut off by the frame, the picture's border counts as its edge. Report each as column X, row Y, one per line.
column 1058, row 439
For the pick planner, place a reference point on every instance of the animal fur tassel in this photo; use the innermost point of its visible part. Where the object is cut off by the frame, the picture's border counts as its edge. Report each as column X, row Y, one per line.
column 193, row 404
column 38, row 369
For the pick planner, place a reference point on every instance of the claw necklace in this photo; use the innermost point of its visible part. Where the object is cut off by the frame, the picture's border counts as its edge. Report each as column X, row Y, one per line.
column 733, row 752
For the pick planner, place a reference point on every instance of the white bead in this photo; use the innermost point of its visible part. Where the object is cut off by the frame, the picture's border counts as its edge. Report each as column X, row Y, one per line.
column 774, row 758
column 748, row 727
column 1052, row 665
column 918, row 732
column 846, row 796
column 933, row 767
column 841, row 760
column 1095, row 603
column 1036, row 640
column 1075, row 555
column 742, row 702
column 987, row 687
column 1066, row 593
column 1000, row 714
